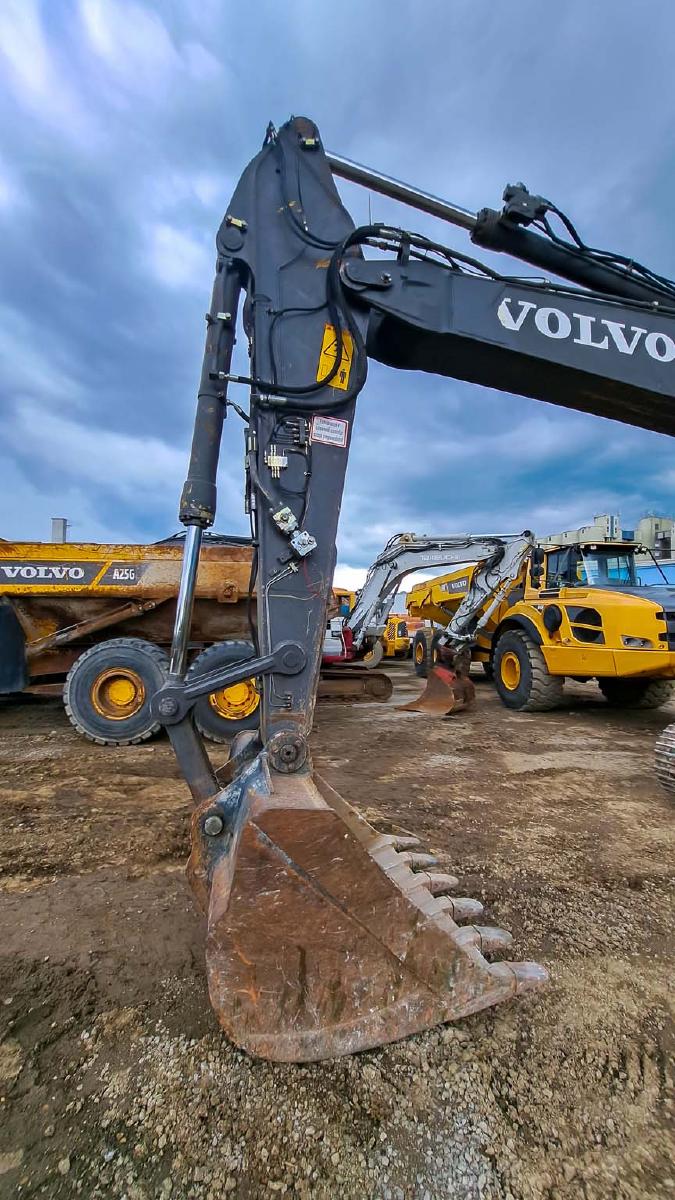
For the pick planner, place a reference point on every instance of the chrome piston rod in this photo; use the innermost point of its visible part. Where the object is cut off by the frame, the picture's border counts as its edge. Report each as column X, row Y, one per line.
column 397, row 190
column 185, row 602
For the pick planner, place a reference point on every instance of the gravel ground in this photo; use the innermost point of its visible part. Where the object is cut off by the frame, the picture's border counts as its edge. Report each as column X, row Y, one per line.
column 116, row 1082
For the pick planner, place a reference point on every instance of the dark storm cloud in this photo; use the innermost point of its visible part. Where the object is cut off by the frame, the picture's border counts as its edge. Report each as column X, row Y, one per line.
column 124, row 128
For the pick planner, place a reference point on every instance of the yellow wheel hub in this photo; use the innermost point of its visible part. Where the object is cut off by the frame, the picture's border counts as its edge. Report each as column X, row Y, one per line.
column 419, row 653
column 509, row 670
column 235, row 702
column 118, row 693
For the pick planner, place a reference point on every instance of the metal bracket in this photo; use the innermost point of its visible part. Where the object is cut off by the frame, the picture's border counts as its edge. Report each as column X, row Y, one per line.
column 176, row 697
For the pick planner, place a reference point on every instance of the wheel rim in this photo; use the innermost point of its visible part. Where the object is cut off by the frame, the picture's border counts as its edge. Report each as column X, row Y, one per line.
column 118, row 693
column 235, row 702
column 419, row 653
column 510, row 670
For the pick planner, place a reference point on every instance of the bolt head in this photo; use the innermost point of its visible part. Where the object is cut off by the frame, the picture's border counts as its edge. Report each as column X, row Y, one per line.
column 290, row 658
column 287, row 752
column 168, row 707
column 213, row 825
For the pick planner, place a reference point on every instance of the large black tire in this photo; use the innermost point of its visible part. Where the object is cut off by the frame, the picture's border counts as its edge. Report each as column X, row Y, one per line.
column 108, row 690
column 420, row 654
column 433, row 649
column 637, row 693
column 521, row 675
column 664, row 757
column 222, row 715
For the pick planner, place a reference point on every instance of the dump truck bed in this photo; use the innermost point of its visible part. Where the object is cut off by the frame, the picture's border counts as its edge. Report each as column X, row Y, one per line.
column 65, row 595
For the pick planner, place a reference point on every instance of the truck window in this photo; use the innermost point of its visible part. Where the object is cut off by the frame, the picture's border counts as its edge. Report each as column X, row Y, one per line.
column 590, row 566
column 610, row 569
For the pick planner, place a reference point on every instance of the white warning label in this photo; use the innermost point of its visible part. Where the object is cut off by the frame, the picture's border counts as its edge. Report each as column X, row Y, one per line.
column 330, row 430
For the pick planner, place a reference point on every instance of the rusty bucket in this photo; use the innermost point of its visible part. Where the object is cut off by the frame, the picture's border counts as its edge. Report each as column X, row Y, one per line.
column 326, row 937
column 446, row 692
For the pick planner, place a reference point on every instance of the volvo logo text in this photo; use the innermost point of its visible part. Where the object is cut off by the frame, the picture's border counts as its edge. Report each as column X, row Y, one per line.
column 598, row 332
column 26, row 574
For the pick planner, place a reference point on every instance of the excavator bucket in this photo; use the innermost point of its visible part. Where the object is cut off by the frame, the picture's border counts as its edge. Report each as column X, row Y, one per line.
column 446, row 692
column 326, row 937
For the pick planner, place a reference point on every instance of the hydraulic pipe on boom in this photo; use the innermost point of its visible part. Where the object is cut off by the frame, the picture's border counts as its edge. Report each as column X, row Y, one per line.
column 395, row 189
column 325, row 937
column 505, row 232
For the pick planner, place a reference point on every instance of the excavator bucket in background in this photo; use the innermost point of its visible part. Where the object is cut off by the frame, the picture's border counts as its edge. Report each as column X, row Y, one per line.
column 446, row 692
column 326, row 937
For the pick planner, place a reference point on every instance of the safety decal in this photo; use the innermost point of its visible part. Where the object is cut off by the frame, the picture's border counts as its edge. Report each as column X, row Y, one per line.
column 329, row 354
column 330, row 430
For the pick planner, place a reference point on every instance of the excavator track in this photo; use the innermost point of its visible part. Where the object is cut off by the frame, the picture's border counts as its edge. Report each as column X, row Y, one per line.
column 354, row 683
column 664, row 755
column 326, row 937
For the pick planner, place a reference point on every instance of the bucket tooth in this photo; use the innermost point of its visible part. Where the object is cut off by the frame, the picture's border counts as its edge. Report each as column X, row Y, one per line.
column 461, row 907
column 525, row 976
column 321, row 941
column 417, row 861
column 485, row 937
column 439, row 883
column 396, row 841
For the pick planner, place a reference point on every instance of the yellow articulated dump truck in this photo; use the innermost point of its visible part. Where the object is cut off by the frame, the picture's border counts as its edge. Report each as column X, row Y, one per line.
column 95, row 622
column 396, row 639
column 576, row 611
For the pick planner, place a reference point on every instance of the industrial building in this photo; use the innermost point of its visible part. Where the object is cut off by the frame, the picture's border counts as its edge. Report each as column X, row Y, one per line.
column 655, row 533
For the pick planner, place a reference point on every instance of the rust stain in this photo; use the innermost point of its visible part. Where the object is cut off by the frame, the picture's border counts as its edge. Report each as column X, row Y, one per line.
column 240, row 954
column 252, row 993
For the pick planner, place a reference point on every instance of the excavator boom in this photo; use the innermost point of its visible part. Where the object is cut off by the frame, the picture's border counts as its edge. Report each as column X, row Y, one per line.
column 406, row 552
column 325, row 937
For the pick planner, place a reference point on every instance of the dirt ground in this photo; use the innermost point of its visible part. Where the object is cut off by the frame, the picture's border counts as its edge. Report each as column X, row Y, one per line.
column 116, row 1082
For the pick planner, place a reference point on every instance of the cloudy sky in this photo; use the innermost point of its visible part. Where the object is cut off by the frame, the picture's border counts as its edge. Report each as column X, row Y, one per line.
column 123, row 129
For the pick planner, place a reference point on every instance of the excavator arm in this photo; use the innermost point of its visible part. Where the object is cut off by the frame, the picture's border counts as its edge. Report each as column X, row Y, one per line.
column 323, row 936
column 497, row 557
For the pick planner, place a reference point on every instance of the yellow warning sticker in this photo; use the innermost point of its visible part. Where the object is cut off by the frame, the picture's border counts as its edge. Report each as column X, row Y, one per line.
column 329, row 354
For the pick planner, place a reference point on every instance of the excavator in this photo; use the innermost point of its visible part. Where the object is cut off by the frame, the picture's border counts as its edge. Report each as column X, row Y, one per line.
column 324, row 936
column 497, row 563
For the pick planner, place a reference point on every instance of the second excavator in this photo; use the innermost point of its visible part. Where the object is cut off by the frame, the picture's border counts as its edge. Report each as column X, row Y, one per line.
column 496, row 563
column 324, row 936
